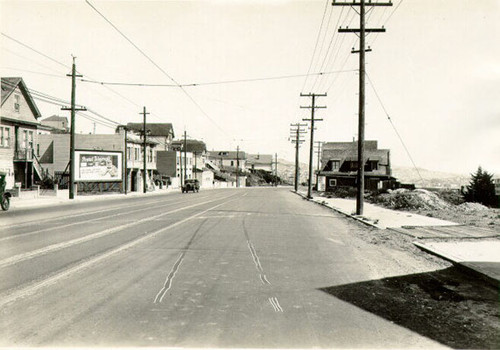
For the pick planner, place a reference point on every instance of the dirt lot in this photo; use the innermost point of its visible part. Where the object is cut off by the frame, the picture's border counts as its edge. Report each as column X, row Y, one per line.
column 445, row 303
column 444, row 204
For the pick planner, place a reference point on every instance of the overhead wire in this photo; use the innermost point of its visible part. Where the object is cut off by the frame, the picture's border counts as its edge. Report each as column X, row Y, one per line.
column 387, row 20
column 38, row 52
column 327, row 54
column 316, row 45
column 209, row 83
column 159, row 68
column 44, row 97
column 393, row 126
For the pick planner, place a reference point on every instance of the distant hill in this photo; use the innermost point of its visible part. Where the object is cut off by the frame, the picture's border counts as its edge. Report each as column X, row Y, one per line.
column 437, row 179
column 286, row 171
column 430, row 178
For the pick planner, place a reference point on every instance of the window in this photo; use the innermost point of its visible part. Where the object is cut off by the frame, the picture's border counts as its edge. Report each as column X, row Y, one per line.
column 232, row 163
column 25, row 139
column 17, row 105
column 38, row 150
column 136, row 153
column 332, row 182
column 335, row 165
column 30, row 140
column 4, row 136
column 150, row 155
column 129, row 153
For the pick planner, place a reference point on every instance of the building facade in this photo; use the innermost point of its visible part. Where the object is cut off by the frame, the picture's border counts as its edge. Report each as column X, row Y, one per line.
column 18, row 133
column 339, row 164
column 124, row 154
column 260, row 162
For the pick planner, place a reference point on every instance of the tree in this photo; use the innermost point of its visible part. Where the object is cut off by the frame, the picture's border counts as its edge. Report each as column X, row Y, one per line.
column 481, row 188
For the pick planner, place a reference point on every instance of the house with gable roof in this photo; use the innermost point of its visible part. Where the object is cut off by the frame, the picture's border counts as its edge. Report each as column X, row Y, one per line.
column 339, row 166
column 162, row 133
column 19, row 122
column 260, row 162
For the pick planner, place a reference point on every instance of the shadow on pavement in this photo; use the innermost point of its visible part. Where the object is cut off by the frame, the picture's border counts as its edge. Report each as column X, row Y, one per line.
column 445, row 305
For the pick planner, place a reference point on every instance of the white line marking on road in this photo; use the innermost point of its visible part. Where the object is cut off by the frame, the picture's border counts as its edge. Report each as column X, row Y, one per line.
column 58, row 246
column 336, row 241
column 275, row 304
column 31, row 289
column 168, row 281
column 29, row 223
column 278, row 306
column 78, row 222
column 264, row 280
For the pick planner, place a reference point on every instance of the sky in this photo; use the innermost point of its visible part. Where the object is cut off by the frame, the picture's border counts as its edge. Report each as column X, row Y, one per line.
column 435, row 72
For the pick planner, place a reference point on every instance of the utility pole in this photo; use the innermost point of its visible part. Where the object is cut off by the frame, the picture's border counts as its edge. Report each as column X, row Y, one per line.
column 237, row 166
column 276, row 169
column 318, row 147
column 185, row 155
column 361, row 32
column 125, row 178
column 296, row 137
column 313, row 107
column 195, row 166
column 144, row 184
column 73, row 76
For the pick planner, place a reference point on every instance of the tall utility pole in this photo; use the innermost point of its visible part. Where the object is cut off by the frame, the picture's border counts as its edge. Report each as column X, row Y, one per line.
column 144, row 184
column 125, row 177
column 195, row 166
column 276, row 169
column 185, row 155
column 237, row 166
column 73, row 76
column 313, row 107
column 361, row 32
column 319, row 145
column 296, row 137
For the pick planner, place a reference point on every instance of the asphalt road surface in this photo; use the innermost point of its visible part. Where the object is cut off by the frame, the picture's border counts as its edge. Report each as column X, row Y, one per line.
column 220, row 268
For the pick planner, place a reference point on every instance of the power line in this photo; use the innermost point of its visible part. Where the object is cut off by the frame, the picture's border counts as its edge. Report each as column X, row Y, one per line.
column 130, row 41
column 62, row 64
column 161, row 69
column 387, row 20
column 211, row 83
column 38, row 52
column 394, row 127
column 316, row 45
column 327, row 54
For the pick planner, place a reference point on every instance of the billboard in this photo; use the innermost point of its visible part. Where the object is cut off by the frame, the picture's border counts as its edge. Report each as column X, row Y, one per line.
column 98, row 166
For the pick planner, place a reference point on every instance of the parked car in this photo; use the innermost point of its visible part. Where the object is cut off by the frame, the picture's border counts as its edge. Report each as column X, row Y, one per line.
column 5, row 193
column 191, row 185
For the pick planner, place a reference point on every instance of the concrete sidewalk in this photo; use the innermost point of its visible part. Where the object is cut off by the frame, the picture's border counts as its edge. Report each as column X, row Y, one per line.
column 63, row 198
column 473, row 249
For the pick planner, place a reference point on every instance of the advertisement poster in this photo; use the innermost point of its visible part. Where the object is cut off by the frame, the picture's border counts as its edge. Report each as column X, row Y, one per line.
column 98, row 166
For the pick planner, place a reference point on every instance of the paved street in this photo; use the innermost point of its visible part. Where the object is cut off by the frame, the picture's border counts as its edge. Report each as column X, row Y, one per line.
column 220, row 268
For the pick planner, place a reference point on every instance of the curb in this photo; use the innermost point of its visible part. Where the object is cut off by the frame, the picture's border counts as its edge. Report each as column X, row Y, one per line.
column 368, row 223
column 465, row 268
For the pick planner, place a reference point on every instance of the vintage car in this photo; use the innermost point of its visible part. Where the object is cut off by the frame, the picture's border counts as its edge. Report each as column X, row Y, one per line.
column 191, row 185
column 5, row 193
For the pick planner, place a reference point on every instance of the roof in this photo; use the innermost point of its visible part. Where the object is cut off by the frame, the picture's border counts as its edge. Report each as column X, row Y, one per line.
column 156, row 129
column 227, row 155
column 9, row 85
column 259, row 159
column 55, row 118
column 369, row 144
column 194, row 146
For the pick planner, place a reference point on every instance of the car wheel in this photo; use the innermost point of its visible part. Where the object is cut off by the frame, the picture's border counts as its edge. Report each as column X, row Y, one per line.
column 5, row 203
